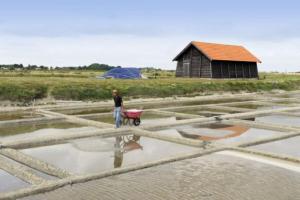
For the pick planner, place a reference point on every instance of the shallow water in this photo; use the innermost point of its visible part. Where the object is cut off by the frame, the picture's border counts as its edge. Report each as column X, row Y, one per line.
column 249, row 106
column 216, row 101
column 271, row 107
column 206, row 112
column 40, row 130
column 83, row 111
column 287, row 102
column 99, row 154
column 18, row 115
column 9, row 182
column 259, row 107
column 290, row 147
column 280, row 120
column 251, row 135
column 209, row 113
column 220, row 133
column 157, row 121
column 211, row 177
column 296, row 95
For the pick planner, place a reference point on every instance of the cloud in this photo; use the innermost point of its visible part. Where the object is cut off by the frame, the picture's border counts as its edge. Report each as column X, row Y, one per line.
column 283, row 55
column 124, row 50
column 137, row 51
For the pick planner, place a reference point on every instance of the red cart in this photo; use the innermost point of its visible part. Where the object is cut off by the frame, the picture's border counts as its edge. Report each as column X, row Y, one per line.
column 132, row 116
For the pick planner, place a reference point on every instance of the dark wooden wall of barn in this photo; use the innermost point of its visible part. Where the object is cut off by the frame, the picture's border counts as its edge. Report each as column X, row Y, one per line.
column 192, row 63
column 228, row 69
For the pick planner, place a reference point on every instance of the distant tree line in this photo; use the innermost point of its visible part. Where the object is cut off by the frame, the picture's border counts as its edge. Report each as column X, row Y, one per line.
column 94, row 66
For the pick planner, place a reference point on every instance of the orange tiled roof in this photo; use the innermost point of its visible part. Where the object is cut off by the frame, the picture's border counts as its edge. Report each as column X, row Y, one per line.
column 225, row 52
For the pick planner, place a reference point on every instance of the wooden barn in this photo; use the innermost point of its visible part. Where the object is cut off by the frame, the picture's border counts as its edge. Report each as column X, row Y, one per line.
column 209, row 60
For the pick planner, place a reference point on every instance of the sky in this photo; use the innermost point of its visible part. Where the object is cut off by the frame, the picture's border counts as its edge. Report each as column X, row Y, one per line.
column 146, row 33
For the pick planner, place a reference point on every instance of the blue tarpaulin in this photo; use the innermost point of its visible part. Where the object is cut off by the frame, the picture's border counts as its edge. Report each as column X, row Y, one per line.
column 123, row 73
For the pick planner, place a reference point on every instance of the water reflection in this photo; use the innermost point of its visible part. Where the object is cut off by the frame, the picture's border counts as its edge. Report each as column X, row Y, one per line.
column 10, row 182
column 280, row 119
column 18, row 115
column 211, row 132
column 118, row 153
column 220, row 133
column 40, row 130
column 123, row 145
column 97, row 154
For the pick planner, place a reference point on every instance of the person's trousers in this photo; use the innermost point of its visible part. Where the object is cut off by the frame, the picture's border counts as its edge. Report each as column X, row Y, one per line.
column 118, row 117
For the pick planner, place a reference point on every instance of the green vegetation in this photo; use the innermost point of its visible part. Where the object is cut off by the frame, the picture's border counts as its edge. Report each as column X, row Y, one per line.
column 62, row 73
column 15, row 90
column 153, row 73
column 21, row 67
column 74, row 85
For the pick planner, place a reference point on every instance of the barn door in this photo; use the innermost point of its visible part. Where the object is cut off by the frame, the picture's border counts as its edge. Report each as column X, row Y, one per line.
column 186, row 69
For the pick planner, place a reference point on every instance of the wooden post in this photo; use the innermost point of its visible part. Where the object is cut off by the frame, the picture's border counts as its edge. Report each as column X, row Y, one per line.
column 190, row 66
column 221, row 70
column 200, row 66
column 249, row 71
column 256, row 69
column 211, row 75
column 228, row 70
column 235, row 70
column 243, row 70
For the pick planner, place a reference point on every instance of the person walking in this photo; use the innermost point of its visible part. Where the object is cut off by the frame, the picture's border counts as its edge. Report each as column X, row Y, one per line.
column 118, row 108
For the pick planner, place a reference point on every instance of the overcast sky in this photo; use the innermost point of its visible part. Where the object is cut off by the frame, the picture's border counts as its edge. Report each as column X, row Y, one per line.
column 145, row 33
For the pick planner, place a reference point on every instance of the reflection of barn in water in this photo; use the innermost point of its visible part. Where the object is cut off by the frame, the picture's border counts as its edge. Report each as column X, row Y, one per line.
column 212, row 132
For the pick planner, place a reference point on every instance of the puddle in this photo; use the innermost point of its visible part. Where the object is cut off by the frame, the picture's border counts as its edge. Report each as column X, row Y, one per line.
column 98, row 154
column 18, row 115
column 146, row 119
column 220, row 133
column 40, row 130
column 9, row 182
column 280, row 119
column 288, row 147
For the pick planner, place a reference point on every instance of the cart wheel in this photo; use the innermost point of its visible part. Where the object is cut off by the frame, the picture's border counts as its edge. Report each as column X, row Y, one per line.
column 137, row 121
